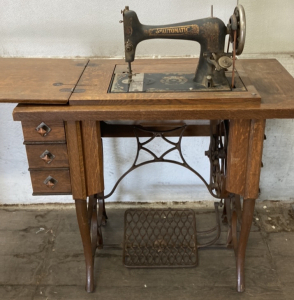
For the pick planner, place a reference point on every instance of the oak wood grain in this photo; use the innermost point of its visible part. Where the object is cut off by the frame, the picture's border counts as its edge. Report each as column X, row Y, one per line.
column 38, row 80
column 282, row 109
column 93, row 158
column 31, row 135
column 237, row 156
column 272, row 81
column 254, row 155
column 58, row 150
column 62, row 186
column 76, row 162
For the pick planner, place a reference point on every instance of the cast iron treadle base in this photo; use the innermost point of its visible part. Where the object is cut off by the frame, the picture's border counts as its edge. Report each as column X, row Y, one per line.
column 160, row 238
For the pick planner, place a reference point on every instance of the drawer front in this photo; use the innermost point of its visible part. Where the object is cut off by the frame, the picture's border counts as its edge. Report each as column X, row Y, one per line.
column 43, row 131
column 51, row 182
column 47, row 156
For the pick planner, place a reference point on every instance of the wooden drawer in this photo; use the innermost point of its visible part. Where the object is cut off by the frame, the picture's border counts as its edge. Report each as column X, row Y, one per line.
column 60, row 182
column 48, row 131
column 47, row 156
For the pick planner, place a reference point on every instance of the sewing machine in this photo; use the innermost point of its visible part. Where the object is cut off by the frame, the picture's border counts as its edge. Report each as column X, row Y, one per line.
column 211, row 73
column 67, row 106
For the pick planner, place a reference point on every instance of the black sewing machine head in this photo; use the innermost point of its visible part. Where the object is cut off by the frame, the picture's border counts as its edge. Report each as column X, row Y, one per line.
column 209, row 32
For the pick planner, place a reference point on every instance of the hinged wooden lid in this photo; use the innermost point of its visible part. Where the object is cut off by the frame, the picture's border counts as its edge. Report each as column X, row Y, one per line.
column 38, row 80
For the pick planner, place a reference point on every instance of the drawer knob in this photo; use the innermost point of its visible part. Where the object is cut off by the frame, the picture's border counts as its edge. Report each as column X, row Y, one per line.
column 43, row 129
column 50, row 182
column 47, row 157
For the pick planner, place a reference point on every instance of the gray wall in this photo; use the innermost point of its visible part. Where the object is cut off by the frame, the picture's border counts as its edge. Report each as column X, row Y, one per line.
column 90, row 28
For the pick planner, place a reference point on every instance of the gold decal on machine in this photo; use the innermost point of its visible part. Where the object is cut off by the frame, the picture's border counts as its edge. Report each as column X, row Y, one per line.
column 174, row 31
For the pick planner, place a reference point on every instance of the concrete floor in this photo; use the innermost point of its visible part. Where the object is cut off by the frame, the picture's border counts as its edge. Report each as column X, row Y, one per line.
column 41, row 257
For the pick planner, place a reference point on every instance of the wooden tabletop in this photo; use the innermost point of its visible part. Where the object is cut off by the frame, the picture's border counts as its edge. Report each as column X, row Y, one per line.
column 94, row 85
column 268, row 76
column 273, row 83
column 42, row 81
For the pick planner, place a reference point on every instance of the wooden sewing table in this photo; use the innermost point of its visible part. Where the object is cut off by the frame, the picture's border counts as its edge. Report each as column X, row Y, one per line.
column 62, row 104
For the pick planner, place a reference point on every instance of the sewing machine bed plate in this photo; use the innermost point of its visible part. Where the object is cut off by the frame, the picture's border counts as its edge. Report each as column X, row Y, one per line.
column 167, row 82
column 94, row 85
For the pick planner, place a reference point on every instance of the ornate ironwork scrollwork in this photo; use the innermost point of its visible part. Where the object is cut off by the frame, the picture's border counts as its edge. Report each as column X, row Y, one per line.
column 175, row 146
column 217, row 154
column 232, row 216
column 96, row 218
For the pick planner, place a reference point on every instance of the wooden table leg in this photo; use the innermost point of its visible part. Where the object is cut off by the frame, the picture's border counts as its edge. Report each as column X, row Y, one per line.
column 82, row 216
column 251, row 190
column 244, row 162
column 247, row 216
column 86, row 170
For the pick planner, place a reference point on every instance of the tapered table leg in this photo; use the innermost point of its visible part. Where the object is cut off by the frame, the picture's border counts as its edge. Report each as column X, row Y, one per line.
column 82, row 216
column 247, row 216
column 243, row 172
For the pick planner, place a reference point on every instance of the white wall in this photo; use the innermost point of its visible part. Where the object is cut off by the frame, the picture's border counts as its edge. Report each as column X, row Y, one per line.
column 66, row 28
column 90, row 28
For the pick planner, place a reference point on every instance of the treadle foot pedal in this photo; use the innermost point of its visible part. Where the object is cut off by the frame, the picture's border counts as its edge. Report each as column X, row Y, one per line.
column 160, row 238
